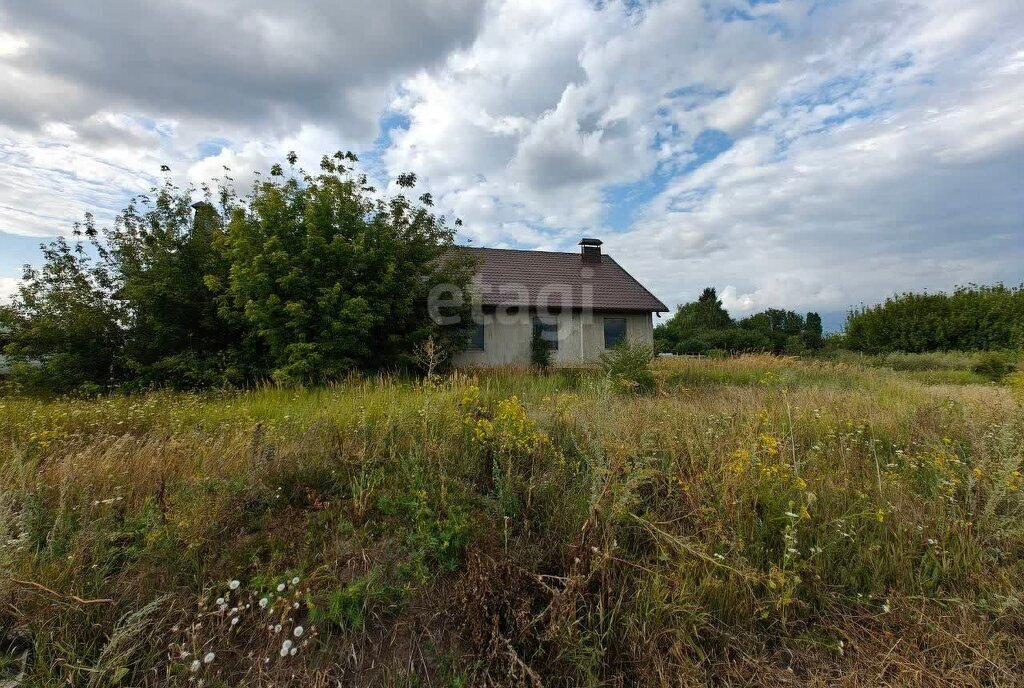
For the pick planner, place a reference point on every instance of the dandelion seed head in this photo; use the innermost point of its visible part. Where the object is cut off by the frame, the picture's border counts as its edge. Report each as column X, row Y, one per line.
column 295, row 581
column 280, row 587
column 264, row 602
column 234, row 585
column 298, row 631
column 195, row 666
column 209, row 658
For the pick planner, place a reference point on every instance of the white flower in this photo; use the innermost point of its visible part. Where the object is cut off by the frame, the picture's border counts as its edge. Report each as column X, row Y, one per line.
column 195, row 666
column 208, row 658
column 293, row 651
column 284, row 652
column 263, row 603
column 277, row 628
column 234, row 585
column 280, row 587
column 234, row 621
column 220, row 601
column 287, row 644
column 295, row 581
column 298, row 631
column 885, row 607
column 295, row 605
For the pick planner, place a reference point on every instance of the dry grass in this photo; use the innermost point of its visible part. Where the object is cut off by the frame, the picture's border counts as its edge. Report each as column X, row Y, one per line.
column 760, row 521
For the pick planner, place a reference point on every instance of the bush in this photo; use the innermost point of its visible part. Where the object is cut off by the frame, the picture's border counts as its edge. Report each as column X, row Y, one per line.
column 628, row 366
column 540, row 351
column 994, row 366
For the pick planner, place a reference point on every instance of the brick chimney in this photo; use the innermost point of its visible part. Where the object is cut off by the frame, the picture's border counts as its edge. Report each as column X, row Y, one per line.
column 590, row 250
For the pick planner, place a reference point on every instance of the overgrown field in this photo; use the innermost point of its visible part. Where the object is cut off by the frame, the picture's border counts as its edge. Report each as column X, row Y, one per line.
column 758, row 521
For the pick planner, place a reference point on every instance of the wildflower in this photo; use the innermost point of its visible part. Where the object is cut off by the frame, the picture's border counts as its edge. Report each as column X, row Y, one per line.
column 295, row 605
column 209, row 658
column 234, row 585
column 263, row 603
column 280, row 587
column 885, row 607
column 293, row 651
column 220, row 601
column 234, row 621
column 277, row 628
column 295, row 581
column 286, row 644
column 298, row 631
column 195, row 666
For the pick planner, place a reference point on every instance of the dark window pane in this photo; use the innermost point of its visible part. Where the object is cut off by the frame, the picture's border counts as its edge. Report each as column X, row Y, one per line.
column 476, row 336
column 614, row 332
column 547, row 327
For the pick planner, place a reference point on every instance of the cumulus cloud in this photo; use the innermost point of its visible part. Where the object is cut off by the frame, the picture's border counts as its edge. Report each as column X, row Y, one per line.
column 797, row 153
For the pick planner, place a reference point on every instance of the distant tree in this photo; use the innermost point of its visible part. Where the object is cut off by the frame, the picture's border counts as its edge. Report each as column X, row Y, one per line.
column 972, row 318
column 812, row 334
column 704, row 325
column 688, row 330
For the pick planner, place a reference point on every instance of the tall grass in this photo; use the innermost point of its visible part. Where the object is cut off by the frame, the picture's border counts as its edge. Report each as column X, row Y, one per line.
column 757, row 521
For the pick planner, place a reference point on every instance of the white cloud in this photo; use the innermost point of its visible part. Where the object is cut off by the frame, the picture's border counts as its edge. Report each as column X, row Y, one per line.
column 877, row 145
column 8, row 288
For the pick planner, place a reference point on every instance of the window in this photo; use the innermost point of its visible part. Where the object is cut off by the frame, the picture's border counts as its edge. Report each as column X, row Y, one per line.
column 614, row 332
column 547, row 328
column 476, row 335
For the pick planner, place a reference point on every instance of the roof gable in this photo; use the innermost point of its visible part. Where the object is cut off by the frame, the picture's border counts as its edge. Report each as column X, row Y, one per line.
column 510, row 277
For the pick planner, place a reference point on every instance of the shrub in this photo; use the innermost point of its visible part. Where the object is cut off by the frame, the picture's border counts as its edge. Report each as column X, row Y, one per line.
column 628, row 366
column 540, row 351
column 994, row 366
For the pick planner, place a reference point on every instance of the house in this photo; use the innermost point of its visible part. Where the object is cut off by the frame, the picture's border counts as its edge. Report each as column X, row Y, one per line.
column 581, row 303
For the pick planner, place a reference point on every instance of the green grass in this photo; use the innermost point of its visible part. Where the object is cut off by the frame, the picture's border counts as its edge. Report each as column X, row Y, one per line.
column 756, row 521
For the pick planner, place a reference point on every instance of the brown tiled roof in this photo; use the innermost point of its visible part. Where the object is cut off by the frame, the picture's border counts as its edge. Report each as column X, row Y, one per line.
column 509, row 277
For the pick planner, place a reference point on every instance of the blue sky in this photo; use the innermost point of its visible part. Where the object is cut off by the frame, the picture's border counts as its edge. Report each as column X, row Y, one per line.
column 798, row 153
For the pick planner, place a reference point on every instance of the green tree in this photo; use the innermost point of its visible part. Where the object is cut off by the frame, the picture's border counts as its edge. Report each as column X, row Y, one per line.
column 170, row 266
column 695, row 326
column 972, row 318
column 327, row 278
column 62, row 328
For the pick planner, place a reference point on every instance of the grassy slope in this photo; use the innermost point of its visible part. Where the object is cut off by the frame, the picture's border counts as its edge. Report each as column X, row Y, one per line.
column 759, row 522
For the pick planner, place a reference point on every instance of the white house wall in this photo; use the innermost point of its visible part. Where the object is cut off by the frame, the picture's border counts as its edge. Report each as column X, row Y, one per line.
column 580, row 338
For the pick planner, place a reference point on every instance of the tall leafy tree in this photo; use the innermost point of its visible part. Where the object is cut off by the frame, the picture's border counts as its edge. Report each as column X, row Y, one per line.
column 169, row 262
column 63, row 328
column 327, row 277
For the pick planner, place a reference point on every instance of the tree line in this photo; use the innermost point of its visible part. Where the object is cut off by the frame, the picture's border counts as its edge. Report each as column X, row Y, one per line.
column 972, row 318
column 704, row 326
column 304, row 279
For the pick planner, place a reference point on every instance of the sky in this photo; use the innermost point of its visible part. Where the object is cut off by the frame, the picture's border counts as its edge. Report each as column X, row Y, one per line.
column 806, row 154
